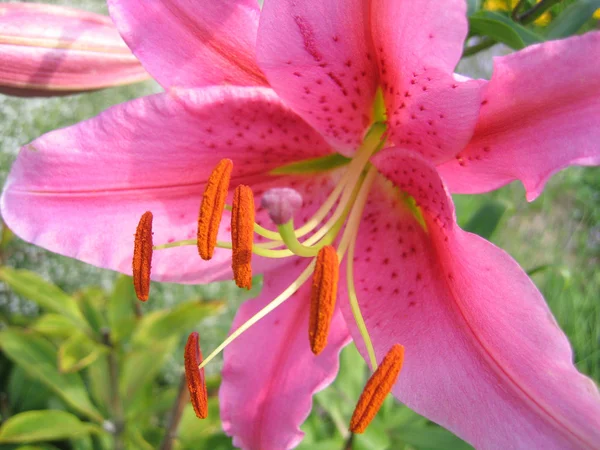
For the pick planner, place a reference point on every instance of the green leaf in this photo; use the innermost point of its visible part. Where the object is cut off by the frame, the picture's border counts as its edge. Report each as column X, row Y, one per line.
column 37, row 447
column 55, row 326
column 502, row 29
column 374, row 438
column 432, row 438
column 47, row 425
column 38, row 358
column 140, row 367
column 486, row 219
column 77, row 352
column 473, row 6
column 121, row 316
column 46, row 295
column 193, row 433
column 159, row 325
column 572, row 19
column 24, row 393
column 91, row 301
column 98, row 382
column 136, row 440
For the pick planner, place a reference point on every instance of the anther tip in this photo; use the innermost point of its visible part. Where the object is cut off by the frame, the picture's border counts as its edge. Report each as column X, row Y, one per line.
column 379, row 385
column 242, row 233
column 142, row 257
column 281, row 204
column 195, row 377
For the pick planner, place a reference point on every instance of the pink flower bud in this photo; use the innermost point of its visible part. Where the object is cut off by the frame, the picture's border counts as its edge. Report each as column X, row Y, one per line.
column 281, row 204
column 53, row 50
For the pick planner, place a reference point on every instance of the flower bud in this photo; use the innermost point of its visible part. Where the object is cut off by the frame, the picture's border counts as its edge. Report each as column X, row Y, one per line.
column 48, row 50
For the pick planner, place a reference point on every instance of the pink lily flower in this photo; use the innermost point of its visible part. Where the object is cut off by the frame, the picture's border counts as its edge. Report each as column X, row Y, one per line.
column 54, row 50
column 483, row 355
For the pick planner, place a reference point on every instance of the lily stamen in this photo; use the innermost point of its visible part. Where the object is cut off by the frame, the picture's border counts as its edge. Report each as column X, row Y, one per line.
column 195, row 376
column 242, row 231
column 322, row 298
column 377, row 388
column 142, row 257
column 211, row 209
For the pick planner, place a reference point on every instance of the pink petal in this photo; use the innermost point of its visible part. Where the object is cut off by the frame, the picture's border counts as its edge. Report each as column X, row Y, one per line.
column 270, row 373
column 317, row 56
column 80, row 191
column 56, row 50
column 540, row 113
column 189, row 43
column 417, row 47
column 484, row 356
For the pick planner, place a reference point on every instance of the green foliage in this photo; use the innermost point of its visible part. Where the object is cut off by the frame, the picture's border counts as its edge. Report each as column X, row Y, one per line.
column 47, row 425
column 572, row 19
column 502, row 29
column 95, row 362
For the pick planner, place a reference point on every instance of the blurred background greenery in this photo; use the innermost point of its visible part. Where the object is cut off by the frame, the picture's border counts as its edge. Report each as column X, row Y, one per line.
column 85, row 366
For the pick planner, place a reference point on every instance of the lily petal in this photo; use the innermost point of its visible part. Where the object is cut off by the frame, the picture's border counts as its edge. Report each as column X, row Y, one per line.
column 55, row 50
column 80, row 191
column 478, row 336
column 539, row 115
column 189, row 43
column 270, row 373
column 317, row 56
column 418, row 44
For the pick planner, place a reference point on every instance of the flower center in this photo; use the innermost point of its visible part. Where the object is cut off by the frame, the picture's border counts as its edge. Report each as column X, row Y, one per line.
column 328, row 242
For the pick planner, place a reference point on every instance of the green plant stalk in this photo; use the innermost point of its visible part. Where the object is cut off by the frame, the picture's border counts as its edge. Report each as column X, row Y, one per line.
column 115, row 399
column 534, row 12
column 175, row 416
column 526, row 18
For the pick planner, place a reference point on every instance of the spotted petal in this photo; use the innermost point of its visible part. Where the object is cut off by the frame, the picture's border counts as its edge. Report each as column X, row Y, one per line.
column 317, row 56
column 484, row 356
column 80, row 191
column 270, row 373
column 189, row 43
column 417, row 46
column 540, row 113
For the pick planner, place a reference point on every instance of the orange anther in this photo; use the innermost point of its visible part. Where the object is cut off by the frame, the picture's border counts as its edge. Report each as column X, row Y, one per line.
column 211, row 209
column 195, row 377
column 242, row 233
column 322, row 298
column 378, row 387
column 142, row 256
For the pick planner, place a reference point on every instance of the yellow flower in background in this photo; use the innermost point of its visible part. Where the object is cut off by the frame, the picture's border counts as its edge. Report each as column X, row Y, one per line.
column 597, row 14
column 508, row 5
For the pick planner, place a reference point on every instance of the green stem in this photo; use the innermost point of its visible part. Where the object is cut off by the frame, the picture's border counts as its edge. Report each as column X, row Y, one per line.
column 534, row 12
column 483, row 44
column 115, row 399
column 175, row 416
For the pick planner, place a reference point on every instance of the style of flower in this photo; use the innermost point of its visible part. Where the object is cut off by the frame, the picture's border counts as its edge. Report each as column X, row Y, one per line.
column 56, row 50
column 356, row 108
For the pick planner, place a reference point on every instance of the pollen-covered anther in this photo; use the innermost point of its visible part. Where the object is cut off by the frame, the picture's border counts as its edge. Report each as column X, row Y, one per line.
column 195, row 377
column 211, row 209
column 242, row 233
column 322, row 297
column 142, row 256
column 377, row 388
